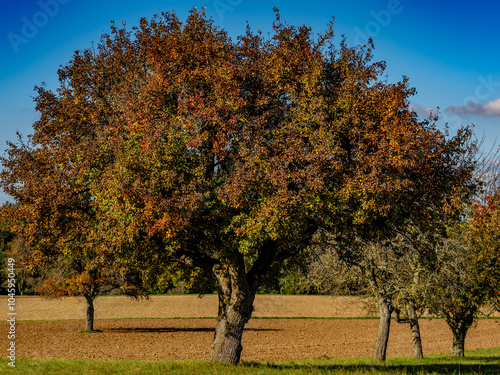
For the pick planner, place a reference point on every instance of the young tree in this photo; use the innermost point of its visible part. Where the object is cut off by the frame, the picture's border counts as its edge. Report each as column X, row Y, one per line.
column 394, row 272
column 49, row 174
column 455, row 294
column 468, row 275
column 69, row 270
column 82, row 274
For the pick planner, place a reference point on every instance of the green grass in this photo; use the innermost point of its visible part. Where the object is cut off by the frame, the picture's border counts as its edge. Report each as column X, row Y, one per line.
column 481, row 361
column 90, row 331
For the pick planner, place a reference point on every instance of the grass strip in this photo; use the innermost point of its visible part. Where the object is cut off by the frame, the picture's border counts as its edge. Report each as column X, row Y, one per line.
column 480, row 361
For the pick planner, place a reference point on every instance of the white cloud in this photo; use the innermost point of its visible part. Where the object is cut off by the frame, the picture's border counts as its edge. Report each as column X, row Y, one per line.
column 489, row 108
column 423, row 112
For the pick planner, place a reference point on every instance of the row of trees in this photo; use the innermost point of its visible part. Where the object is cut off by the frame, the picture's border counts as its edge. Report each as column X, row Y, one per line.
column 173, row 150
column 454, row 276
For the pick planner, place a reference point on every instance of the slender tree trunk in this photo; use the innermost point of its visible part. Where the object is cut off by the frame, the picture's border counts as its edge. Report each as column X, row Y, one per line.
column 384, row 326
column 89, row 326
column 235, row 310
column 385, row 309
column 458, row 349
column 415, row 331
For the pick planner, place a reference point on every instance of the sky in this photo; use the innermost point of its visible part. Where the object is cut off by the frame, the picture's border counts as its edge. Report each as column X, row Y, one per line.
column 447, row 49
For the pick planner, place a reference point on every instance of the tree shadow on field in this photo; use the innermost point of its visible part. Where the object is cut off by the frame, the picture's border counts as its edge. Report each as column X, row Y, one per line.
column 179, row 329
column 158, row 330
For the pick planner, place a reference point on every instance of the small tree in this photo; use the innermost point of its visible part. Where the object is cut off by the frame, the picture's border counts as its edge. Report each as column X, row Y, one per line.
column 483, row 236
column 396, row 273
column 79, row 273
column 455, row 294
column 396, row 277
column 467, row 276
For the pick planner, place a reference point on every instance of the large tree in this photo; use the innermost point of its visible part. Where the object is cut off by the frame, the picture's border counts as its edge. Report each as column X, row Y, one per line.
column 229, row 156
column 213, row 157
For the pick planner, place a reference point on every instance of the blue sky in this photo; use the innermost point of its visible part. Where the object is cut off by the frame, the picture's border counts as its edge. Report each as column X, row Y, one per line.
column 448, row 49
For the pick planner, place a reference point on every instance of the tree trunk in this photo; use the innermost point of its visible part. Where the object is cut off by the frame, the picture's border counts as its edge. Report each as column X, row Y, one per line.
column 458, row 349
column 383, row 329
column 89, row 326
column 235, row 310
column 415, row 332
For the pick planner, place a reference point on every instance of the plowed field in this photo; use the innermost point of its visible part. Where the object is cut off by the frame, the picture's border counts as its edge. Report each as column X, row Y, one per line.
column 162, row 329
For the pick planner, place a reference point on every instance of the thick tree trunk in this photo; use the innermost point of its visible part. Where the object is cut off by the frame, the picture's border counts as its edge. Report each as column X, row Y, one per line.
column 415, row 332
column 383, row 330
column 459, row 321
column 89, row 326
column 458, row 349
column 385, row 309
column 235, row 310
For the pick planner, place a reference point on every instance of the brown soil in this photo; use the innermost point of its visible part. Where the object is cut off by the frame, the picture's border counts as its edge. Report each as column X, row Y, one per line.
column 182, row 339
column 187, row 306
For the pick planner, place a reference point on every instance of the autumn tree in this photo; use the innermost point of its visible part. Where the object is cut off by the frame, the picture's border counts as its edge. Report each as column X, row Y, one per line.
column 404, row 175
column 6, row 238
column 195, row 157
column 484, row 238
column 228, row 156
column 77, row 273
column 235, row 155
column 467, row 278
column 49, row 174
